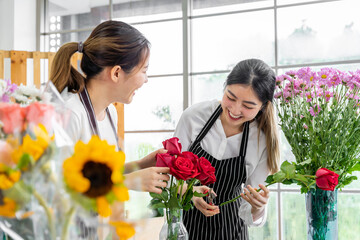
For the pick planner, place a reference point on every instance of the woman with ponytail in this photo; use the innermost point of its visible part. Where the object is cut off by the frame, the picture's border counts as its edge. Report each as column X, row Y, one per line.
column 238, row 135
column 114, row 64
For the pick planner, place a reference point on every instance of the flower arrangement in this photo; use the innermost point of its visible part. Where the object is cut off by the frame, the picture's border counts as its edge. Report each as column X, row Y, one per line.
column 319, row 115
column 26, row 149
column 186, row 170
column 31, row 185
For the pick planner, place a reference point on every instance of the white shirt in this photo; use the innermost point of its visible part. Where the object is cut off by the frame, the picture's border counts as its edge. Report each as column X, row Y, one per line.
column 219, row 146
column 78, row 126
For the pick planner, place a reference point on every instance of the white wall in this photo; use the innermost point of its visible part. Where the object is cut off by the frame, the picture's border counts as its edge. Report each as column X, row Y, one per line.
column 18, row 25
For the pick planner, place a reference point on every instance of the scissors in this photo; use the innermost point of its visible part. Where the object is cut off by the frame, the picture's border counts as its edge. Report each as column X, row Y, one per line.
column 211, row 196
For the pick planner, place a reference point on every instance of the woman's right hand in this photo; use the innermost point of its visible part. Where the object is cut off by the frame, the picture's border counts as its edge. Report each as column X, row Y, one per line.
column 150, row 179
column 206, row 209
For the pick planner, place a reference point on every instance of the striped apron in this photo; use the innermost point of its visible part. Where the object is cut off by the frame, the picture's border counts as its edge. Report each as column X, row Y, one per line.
column 230, row 176
column 87, row 230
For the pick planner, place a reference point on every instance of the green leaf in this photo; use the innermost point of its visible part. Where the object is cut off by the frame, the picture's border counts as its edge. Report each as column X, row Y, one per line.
column 279, row 177
column 25, row 160
column 288, row 169
column 188, row 197
column 355, row 168
column 157, row 205
column 162, row 196
column 270, row 179
column 187, row 207
column 197, row 194
column 174, row 203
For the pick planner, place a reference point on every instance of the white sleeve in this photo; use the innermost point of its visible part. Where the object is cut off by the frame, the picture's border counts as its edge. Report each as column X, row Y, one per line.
column 183, row 132
column 73, row 127
column 257, row 177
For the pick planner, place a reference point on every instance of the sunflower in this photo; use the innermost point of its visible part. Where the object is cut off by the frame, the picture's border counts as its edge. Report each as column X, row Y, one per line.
column 7, row 206
column 8, row 177
column 123, row 229
column 95, row 170
column 34, row 147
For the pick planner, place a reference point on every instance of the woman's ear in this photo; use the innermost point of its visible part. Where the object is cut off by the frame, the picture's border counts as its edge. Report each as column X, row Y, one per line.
column 116, row 73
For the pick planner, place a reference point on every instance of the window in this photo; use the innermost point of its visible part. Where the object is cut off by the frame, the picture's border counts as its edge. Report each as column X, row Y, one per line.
column 287, row 34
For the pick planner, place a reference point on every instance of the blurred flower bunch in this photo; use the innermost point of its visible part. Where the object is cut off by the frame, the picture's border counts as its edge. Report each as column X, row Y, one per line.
column 319, row 113
column 38, row 198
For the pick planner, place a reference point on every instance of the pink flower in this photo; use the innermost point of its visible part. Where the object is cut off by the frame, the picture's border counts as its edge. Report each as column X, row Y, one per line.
column 12, row 116
column 328, row 95
column 305, row 126
column 39, row 113
column 309, row 96
column 314, row 111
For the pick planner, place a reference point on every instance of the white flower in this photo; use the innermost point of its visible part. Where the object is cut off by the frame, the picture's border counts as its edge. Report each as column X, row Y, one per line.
column 3, row 86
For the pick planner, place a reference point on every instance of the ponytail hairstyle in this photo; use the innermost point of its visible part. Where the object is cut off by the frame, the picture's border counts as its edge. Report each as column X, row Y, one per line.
column 261, row 78
column 111, row 43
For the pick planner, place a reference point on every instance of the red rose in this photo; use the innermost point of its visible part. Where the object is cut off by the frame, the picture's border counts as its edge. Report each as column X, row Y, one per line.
column 205, row 170
column 326, row 179
column 172, row 145
column 210, row 180
column 164, row 159
column 183, row 168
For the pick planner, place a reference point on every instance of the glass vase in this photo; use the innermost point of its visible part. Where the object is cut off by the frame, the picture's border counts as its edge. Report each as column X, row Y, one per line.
column 173, row 228
column 321, row 214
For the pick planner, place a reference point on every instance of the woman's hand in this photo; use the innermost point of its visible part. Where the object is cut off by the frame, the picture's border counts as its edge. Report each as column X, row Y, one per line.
column 207, row 209
column 150, row 179
column 257, row 200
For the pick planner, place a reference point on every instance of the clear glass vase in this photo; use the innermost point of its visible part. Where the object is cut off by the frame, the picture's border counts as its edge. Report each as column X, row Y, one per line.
column 173, row 228
column 321, row 214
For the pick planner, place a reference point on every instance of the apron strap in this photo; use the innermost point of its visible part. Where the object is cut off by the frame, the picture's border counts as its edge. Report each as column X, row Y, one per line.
column 85, row 100
column 210, row 123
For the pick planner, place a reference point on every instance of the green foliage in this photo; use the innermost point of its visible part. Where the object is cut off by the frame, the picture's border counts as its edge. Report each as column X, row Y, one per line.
column 319, row 115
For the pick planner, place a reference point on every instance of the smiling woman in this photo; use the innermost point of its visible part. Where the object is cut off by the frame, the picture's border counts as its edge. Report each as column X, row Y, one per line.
column 115, row 59
column 239, row 137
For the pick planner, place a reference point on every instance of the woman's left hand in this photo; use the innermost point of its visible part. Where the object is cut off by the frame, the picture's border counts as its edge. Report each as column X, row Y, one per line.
column 257, row 200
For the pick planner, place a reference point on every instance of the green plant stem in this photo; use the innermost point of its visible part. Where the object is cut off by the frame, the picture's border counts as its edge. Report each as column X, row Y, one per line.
column 234, row 199
column 189, row 187
column 65, row 228
column 42, row 202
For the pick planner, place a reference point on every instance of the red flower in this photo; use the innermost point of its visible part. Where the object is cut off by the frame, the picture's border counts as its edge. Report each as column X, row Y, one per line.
column 210, row 180
column 183, row 168
column 164, row 159
column 172, row 145
column 205, row 171
column 326, row 179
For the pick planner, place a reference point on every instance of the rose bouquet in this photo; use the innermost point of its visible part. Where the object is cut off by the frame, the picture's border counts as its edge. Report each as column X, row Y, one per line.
column 186, row 170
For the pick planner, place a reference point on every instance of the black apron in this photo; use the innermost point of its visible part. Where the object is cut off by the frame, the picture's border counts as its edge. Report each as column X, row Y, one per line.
column 85, row 100
column 230, row 176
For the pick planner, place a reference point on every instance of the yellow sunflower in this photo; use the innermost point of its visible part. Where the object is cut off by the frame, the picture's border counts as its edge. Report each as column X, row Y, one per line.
column 95, row 170
column 123, row 229
column 34, row 147
column 8, row 177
